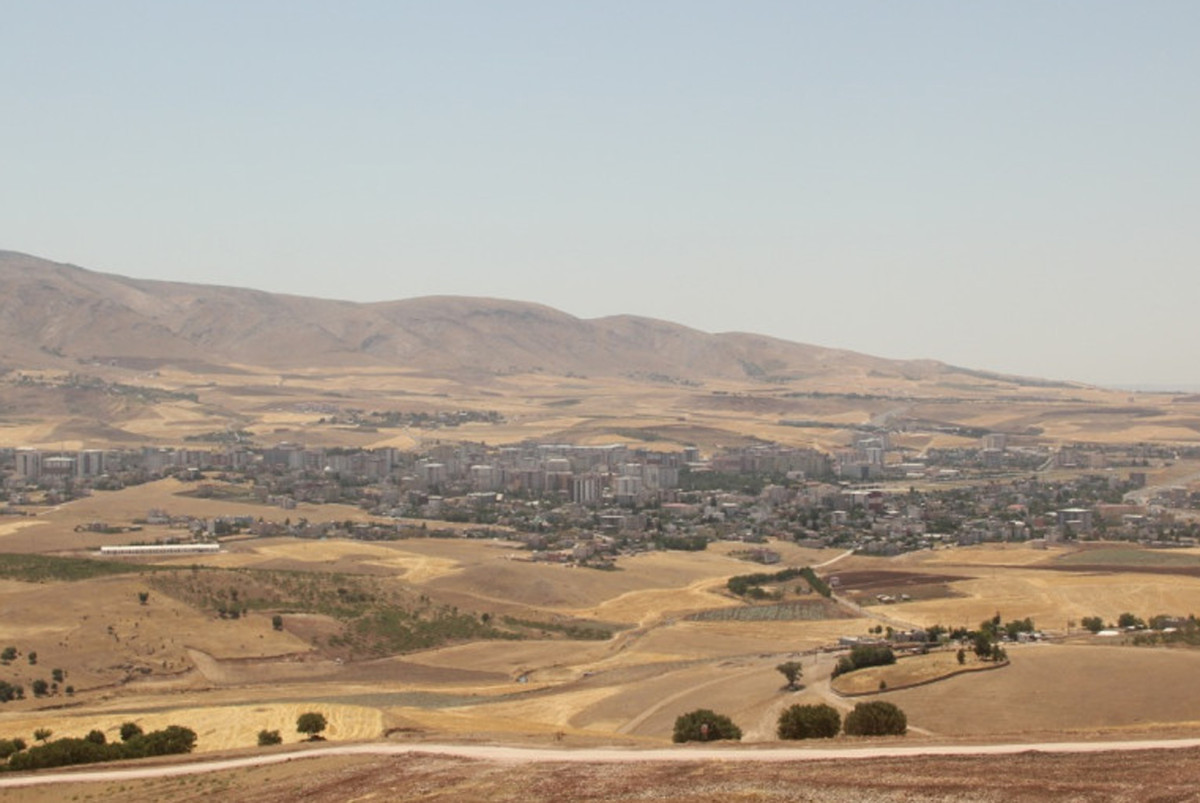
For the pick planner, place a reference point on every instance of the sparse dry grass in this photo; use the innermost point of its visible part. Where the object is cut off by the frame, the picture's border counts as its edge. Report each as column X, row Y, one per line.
column 630, row 687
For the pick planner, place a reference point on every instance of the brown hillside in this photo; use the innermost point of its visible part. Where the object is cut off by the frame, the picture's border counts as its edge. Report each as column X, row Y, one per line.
column 54, row 310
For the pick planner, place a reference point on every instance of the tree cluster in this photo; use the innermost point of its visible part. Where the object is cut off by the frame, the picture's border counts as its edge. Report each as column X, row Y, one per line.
column 92, row 748
column 864, row 655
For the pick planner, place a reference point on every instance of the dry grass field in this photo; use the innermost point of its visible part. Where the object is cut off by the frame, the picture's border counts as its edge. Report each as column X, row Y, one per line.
column 301, row 404
column 911, row 670
column 172, row 660
column 1113, row 777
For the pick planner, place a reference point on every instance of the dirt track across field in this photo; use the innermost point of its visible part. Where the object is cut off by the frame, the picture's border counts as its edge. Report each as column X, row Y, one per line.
column 530, row 755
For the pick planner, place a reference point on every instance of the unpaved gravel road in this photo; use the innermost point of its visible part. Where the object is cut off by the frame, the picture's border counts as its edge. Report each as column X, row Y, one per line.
column 529, row 755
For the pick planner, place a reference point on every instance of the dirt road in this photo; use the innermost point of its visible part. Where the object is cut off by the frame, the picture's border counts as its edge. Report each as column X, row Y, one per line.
column 529, row 755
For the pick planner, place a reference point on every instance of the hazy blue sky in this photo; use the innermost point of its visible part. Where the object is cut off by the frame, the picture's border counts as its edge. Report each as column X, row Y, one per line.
column 1010, row 186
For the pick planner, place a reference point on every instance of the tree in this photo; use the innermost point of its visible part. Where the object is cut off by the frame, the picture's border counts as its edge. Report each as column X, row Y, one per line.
column 982, row 645
column 1128, row 620
column 129, row 730
column 791, row 670
column 809, row 722
column 32, row 658
column 277, row 622
column 57, row 675
column 9, row 654
column 40, row 688
column 267, row 738
column 96, row 737
column 1092, row 623
column 876, row 719
column 703, row 725
column 961, row 655
column 143, row 597
column 312, row 723
column 42, row 734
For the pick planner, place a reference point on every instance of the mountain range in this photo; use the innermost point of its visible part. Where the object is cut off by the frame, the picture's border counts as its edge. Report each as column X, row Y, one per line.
column 49, row 309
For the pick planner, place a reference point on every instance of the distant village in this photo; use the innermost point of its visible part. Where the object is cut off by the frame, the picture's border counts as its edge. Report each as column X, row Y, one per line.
column 587, row 505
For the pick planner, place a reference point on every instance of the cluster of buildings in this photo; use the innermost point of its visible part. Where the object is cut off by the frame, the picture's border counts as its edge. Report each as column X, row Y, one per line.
column 579, row 503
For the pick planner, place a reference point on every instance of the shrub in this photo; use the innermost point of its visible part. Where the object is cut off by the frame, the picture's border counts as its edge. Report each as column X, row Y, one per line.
column 703, row 725
column 129, row 730
column 10, row 746
column 267, row 738
column 809, row 722
column 876, row 719
column 96, row 737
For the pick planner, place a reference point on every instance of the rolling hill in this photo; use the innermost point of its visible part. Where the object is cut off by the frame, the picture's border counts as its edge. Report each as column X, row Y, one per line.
column 49, row 310
column 90, row 358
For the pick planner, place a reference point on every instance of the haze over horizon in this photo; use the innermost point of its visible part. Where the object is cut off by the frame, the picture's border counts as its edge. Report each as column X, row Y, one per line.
column 1005, row 188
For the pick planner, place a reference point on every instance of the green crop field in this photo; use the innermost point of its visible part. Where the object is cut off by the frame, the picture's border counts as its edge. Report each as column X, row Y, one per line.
column 1125, row 556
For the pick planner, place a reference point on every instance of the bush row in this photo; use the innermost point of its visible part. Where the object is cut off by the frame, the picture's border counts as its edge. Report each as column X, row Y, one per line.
column 820, row 721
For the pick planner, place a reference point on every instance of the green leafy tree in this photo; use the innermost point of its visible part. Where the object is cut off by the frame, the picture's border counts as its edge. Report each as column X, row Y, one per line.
column 311, row 723
column 96, row 737
column 267, row 738
column 42, row 734
column 1018, row 626
column 129, row 730
column 792, row 671
column 9, row 654
column 876, row 719
column 40, row 688
column 809, row 722
column 277, row 622
column 143, row 597
column 703, row 725
column 1093, row 624
column 961, row 655
column 10, row 746
column 1128, row 620
column 64, row 752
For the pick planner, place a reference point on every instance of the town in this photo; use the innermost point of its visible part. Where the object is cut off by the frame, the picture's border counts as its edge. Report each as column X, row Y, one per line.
column 587, row 505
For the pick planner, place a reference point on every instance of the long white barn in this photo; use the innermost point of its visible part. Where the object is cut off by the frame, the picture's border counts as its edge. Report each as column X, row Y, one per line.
column 160, row 549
